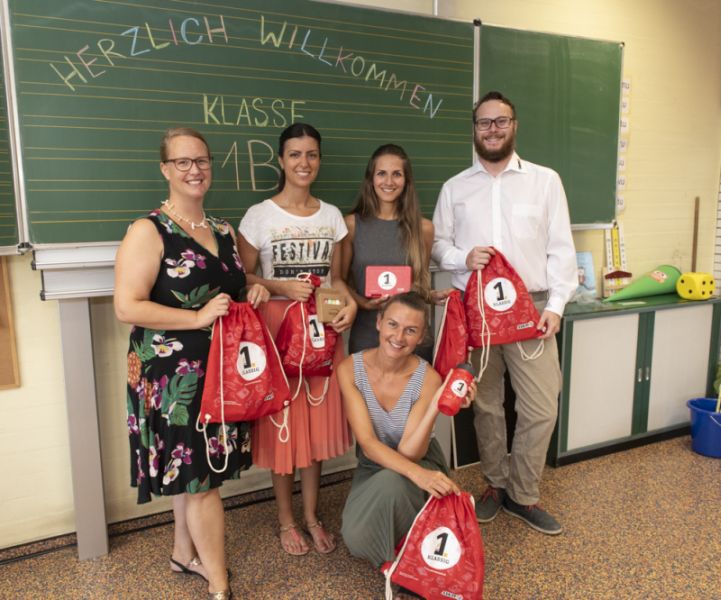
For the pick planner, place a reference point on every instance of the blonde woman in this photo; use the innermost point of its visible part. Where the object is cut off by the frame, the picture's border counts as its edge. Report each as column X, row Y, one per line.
column 177, row 270
column 391, row 399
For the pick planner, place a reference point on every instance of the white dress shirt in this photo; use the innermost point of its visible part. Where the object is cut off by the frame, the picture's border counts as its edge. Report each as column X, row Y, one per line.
column 523, row 213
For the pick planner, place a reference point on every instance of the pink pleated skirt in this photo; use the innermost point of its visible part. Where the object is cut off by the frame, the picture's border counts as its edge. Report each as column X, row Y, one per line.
column 314, row 433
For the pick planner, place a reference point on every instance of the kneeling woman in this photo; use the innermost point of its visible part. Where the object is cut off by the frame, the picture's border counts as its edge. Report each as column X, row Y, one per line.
column 391, row 401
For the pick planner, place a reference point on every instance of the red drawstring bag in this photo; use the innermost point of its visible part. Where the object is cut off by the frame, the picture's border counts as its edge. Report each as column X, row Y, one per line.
column 498, row 295
column 244, row 379
column 442, row 555
column 452, row 342
column 306, row 349
column 499, row 310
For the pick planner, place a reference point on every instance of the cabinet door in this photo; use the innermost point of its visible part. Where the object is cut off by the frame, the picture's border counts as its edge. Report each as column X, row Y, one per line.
column 603, row 362
column 679, row 363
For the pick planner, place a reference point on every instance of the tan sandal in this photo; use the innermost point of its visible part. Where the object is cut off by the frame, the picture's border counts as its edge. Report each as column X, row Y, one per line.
column 188, row 569
column 330, row 538
column 293, row 529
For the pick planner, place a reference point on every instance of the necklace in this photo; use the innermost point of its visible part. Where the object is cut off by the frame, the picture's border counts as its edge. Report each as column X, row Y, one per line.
column 193, row 226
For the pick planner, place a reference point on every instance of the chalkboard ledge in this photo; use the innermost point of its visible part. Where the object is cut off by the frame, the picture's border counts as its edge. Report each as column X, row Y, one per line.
column 76, row 271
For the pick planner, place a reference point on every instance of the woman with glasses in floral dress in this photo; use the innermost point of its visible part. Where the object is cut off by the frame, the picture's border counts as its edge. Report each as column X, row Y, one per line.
column 176, row 271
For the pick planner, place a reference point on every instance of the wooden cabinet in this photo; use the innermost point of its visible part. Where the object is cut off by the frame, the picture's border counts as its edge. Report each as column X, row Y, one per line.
column 628, row 370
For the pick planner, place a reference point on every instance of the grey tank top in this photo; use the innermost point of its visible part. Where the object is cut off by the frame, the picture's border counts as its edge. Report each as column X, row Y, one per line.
column 375, row 242
column 389, row 426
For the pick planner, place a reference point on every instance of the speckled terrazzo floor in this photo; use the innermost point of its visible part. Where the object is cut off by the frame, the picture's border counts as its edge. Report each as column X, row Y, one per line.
column 640, row 524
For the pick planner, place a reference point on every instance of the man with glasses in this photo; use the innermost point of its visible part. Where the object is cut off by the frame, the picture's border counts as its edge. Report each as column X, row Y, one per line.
column 519, row 208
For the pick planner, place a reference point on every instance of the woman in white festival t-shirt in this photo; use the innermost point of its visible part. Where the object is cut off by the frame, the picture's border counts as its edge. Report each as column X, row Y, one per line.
column 291, row 233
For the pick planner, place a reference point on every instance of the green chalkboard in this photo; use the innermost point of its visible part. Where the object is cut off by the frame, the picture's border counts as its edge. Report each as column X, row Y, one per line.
column 567, row 92
column 9, row 235
column 99, row 81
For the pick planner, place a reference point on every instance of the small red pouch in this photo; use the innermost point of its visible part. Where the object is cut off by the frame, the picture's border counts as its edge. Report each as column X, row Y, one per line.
column 387, row 280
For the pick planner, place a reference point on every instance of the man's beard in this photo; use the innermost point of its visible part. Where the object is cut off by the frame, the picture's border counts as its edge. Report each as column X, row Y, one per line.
column 498, row 155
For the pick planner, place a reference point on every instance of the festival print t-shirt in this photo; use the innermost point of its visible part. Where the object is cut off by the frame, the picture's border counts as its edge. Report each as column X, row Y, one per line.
column 288, row 244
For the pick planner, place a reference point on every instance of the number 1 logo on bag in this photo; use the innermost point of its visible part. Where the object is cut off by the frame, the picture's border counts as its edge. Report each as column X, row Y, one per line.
column 500, row 294
column 441, row 549
column 251, row 361
column 317, row 331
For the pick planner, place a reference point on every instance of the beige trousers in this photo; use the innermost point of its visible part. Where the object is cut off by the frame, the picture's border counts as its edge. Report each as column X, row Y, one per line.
column 537, row 384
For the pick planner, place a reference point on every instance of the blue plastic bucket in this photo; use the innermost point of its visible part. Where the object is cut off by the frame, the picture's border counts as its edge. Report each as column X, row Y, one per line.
column 705, row 427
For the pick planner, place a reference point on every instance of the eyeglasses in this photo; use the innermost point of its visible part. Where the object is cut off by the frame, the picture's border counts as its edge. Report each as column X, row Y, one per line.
column 184, row 164
column 500, row 122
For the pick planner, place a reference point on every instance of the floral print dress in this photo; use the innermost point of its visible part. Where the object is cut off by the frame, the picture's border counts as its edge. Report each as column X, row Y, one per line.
column 166, row 373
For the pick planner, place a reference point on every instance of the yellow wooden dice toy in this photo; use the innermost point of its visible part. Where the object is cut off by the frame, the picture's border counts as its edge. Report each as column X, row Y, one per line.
column 695, row 286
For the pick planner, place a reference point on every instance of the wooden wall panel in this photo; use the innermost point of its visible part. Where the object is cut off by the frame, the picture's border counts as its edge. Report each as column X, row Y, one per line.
column 9, row 373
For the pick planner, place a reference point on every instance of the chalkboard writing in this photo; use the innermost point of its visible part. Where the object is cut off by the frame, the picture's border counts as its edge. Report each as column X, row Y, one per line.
column 99, row 81
column 567, row 95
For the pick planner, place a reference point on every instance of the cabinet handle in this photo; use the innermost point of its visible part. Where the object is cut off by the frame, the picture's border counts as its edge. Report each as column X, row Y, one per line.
column 648, row 373
column 640, row 375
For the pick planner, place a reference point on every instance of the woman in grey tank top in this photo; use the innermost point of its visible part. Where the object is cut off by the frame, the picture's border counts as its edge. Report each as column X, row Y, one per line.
column 391, row 400
column 386, row 228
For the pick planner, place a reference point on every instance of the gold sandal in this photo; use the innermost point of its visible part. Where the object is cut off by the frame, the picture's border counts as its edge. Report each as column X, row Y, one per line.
column 330, row 538
column 293, row 529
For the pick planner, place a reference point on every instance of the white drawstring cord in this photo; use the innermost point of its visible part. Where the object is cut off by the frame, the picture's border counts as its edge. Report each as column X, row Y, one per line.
column 441, row 330
column 485, row 329
column 283, row 428
column 316, row 400
column 284, row 431
column 533, row 355
column 204, row 426
column 392, row 568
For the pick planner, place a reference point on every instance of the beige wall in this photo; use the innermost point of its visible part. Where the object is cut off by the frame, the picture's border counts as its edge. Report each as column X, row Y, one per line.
column 35, row 496
column 673, row 58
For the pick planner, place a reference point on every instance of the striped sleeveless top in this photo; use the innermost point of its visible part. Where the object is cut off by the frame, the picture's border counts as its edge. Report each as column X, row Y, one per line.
column 389, row 426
